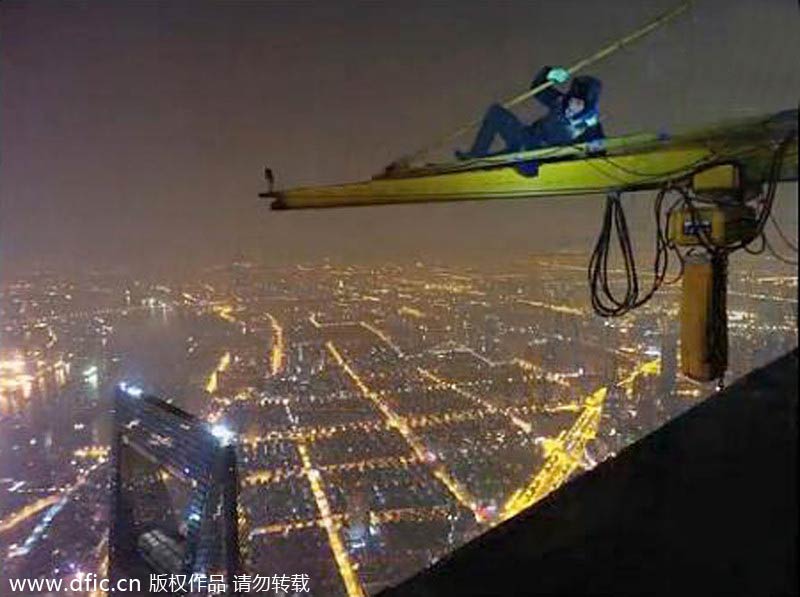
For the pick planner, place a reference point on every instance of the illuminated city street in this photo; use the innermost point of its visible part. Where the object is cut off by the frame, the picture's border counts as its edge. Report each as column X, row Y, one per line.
column 384, row 416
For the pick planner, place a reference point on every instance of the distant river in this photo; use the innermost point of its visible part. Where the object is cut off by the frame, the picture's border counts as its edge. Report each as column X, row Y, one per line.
column 169, row 352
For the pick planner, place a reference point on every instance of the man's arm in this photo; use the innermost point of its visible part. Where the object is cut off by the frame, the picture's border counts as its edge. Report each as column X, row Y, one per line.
column 592, row 87
column 549, row 97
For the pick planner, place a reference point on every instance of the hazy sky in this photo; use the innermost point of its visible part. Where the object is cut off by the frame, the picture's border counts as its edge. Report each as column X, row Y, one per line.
column 136, row 132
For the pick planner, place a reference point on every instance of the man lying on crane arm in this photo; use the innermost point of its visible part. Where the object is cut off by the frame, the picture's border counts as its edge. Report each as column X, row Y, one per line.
column 573, row 117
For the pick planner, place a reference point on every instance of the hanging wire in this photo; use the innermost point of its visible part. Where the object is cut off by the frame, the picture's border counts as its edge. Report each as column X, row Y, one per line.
column 605, row 300
column 777, row 255
column 783, row 236
column 608, row 302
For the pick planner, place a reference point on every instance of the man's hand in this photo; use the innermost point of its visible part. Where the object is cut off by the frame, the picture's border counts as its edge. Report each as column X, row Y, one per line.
column 558, row 75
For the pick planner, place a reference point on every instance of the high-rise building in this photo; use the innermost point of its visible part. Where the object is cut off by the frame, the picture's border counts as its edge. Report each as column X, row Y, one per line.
column 174, row 495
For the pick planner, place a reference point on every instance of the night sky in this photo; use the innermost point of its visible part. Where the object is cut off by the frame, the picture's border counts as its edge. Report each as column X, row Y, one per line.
column 134, row 134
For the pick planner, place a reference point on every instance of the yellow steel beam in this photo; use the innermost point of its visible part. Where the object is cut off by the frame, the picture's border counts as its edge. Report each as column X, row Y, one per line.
column 630, row 163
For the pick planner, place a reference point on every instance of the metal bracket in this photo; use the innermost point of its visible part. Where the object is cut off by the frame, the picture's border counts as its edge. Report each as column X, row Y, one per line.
column 270, row 178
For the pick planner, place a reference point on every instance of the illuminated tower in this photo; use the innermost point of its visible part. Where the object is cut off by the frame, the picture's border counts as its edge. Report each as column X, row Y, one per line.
column 357, row 530
column 362, row 532
column 174, row 493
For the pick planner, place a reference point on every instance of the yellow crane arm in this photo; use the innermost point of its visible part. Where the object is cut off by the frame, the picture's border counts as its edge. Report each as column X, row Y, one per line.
column 628, row 163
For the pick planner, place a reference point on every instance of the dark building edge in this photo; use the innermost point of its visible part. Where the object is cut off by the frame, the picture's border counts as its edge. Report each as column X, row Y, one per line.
column 707, row 504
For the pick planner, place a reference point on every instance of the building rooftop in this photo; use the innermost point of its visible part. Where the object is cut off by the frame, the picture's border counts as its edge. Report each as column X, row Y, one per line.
column 707, row 504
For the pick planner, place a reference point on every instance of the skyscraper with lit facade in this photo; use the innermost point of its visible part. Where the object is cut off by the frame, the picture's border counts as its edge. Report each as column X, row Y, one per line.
column 174, row 494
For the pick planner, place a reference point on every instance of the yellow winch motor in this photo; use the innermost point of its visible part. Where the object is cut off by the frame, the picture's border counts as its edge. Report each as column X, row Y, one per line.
column 712, row 227
column 718, row 224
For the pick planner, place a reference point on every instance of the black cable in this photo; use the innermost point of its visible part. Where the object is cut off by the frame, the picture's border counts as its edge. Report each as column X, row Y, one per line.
column 717, row 330
column 763, row 214
column 719, row 252
column 760, row 250
column 776, row 255
column 670, row 243
column 783, row 236
column 608, row 303
column 605, row 301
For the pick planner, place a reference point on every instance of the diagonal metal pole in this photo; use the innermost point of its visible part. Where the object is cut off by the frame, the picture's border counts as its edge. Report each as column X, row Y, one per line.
column 407, row 160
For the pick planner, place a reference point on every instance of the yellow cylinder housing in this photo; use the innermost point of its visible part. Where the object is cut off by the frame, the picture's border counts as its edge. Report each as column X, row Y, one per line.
column 704, row 344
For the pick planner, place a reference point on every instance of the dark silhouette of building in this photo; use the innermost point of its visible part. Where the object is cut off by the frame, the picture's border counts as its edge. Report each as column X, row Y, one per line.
column 174, row 495
column 705, row 505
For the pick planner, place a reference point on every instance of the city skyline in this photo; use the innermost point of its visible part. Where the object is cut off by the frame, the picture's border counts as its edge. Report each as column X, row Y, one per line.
column 383, row 415
column 190, row 381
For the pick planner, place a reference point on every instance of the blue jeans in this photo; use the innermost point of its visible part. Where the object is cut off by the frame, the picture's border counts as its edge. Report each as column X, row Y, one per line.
column 501, row 122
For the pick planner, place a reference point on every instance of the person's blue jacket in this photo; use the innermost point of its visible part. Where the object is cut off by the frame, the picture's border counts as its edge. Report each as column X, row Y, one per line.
column 555, row 128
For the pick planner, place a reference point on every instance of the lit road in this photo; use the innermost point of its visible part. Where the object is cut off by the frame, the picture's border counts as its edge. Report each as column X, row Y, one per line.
column 52, row 506
column 26, row 512
column 265, row 476
column 385, row 338
column 312, row 433
column 399, row 423
column 213, row 379
column 101, row 552
column 340, row 554
column 380, row 517
column 563, row 456
column 277, row 354
column 566, row 309
column 476, row 399
column 565, row 453
column 411, row 311
column 225, row 312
